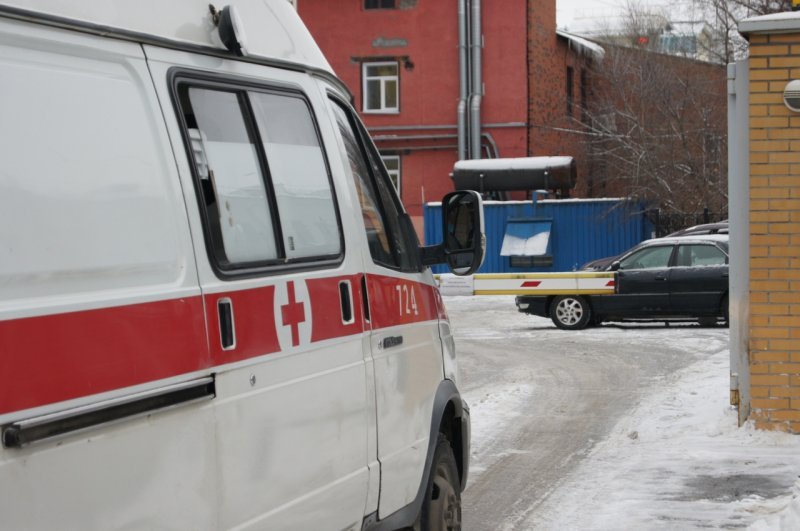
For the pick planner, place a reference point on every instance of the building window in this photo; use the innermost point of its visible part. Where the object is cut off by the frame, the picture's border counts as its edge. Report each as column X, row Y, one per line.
column 380, row 4
column 392, row 163
column 584, row 89
column 570, row 95
column 381, row 86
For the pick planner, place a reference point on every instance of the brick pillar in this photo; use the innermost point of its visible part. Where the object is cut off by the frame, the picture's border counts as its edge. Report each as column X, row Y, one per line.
column 774, row 234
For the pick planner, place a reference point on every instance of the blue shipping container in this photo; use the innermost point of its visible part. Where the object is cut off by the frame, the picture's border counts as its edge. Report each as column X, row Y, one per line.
column 581, row 230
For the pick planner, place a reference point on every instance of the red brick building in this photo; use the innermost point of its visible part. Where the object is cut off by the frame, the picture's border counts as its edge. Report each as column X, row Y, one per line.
column 403, row 61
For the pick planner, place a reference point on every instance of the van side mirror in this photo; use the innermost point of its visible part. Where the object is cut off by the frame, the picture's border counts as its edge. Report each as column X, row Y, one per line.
column 464, row 245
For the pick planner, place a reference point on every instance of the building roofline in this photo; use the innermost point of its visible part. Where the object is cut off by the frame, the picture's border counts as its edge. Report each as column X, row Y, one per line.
column 635, row 49
column 585, row 46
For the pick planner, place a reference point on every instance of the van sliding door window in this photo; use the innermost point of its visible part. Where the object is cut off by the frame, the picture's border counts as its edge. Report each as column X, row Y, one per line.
column 261, row 176
column 299, row 177
column 231, row 180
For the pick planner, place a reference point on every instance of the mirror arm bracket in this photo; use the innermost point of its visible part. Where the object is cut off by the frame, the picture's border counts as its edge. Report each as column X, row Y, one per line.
column 433, row 254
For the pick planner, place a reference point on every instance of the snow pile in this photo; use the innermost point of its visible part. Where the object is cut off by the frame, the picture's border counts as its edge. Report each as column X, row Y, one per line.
column 679, row 461
column 788, row 518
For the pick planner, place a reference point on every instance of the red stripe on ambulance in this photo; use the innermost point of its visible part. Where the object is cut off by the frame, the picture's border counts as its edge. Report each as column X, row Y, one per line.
column 64, row 356
column 254, row 324
column 394, row 301
column 53, row 358
column 326, row 307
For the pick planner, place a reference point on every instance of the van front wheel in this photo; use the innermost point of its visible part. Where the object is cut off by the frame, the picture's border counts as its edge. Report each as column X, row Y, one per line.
column 441, row 508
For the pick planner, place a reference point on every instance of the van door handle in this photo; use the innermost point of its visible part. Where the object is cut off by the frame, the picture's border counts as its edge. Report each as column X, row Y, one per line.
column 365, row 297
column 346, row 300
column 227, row 333
column 392, row 341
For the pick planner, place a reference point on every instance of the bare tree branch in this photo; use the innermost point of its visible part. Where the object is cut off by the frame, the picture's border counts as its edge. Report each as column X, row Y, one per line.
column 655, row 129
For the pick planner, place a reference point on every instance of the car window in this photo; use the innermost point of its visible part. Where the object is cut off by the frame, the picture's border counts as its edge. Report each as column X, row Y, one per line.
column 700, row 255
column 648, row 258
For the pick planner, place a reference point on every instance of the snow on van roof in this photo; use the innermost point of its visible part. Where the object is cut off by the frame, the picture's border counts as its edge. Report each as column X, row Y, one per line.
column 520, row 163
column 273, row 28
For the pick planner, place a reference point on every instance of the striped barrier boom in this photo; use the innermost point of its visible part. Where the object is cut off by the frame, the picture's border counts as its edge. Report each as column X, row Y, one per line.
column 573, row 283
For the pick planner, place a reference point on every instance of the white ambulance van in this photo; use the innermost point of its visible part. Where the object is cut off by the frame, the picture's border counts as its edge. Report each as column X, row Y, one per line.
column 214, row 311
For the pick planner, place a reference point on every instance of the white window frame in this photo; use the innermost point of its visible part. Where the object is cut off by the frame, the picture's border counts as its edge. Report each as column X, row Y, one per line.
column 384, row 109
column 394, row 174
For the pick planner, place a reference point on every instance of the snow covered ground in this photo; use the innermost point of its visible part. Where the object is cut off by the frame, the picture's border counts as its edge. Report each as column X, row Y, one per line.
column 677, row 461
column 680, row 462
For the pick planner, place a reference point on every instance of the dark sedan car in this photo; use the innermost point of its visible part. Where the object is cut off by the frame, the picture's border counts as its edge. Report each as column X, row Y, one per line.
column 664, row 278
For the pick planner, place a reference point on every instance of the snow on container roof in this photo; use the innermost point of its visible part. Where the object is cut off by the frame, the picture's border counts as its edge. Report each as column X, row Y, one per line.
column 524, row 173
column 520, row 163
column 273, row 28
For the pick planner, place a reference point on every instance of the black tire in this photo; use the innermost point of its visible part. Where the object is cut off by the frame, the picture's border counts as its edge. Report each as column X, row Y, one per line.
column 570, row 312
column 725, row 310
column 707, row 322
column 441, row 508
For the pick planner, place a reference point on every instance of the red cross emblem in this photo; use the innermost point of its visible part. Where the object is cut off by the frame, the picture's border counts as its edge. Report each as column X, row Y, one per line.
column 293, row 313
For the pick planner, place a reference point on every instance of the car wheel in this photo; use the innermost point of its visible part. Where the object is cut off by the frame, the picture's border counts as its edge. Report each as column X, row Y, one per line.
column 725, row 310
column 570, row 312
column 441, row 508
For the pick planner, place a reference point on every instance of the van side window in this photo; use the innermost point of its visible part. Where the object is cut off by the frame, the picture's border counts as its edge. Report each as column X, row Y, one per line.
column 373, row 217
column 392, row 207
column 261, row 176
column 380, row 207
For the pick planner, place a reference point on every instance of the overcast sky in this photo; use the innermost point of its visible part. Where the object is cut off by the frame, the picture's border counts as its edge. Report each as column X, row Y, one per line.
column 586, row 15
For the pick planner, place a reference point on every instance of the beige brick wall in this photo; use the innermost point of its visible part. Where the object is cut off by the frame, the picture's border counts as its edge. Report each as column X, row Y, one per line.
column 774, row 235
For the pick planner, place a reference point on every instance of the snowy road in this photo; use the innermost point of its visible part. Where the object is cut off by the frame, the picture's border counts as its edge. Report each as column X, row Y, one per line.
column 542, row 398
